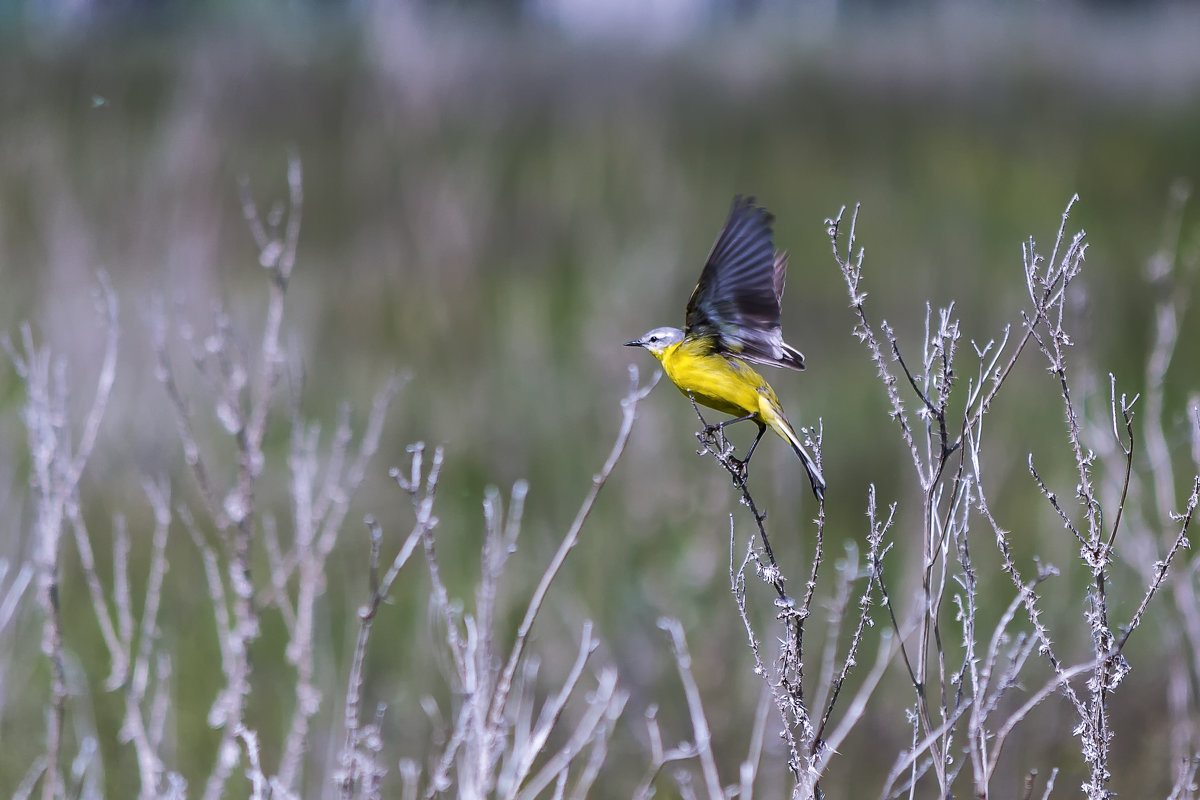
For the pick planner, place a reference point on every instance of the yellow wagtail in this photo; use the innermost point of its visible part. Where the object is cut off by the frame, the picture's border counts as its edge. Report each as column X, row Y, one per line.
column 733, row 318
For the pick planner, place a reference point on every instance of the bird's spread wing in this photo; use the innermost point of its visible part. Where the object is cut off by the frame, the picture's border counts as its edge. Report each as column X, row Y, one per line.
column 736, row 302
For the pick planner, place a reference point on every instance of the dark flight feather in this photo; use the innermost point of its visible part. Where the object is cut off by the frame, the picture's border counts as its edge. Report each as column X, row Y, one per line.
column 736, row 302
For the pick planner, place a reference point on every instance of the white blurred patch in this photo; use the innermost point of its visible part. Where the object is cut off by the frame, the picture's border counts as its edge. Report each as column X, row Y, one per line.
column 656, row 21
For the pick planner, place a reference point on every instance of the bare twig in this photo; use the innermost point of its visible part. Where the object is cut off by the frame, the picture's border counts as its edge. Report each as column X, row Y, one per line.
column 700, row 731
column 358, row 768
column 57, row 465
column 787, row 684
column 318, row 516
column 629, row 407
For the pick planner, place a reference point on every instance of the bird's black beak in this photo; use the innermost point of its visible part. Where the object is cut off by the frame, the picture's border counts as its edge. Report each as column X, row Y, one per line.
column 634, row 343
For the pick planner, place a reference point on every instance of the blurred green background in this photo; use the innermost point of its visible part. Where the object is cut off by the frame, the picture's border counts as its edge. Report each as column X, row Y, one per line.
column 495, row 200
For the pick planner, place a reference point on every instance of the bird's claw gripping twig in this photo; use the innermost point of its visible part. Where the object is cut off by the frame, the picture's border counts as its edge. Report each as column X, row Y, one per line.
column 739, row 469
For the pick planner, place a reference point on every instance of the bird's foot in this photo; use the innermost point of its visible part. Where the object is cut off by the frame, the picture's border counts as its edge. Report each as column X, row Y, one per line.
column 739, row 469
column 713, row 438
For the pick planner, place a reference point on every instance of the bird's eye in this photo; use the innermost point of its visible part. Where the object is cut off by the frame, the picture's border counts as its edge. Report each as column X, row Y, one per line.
column 653, row 339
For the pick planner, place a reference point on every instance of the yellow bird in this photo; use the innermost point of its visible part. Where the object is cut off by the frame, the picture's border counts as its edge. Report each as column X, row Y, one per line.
column 733, row 321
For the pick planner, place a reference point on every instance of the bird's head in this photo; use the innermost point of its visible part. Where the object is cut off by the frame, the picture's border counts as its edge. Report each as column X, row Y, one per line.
column 658, row 340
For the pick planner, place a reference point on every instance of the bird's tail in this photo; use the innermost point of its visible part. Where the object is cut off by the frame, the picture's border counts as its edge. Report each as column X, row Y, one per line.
column 784, row 428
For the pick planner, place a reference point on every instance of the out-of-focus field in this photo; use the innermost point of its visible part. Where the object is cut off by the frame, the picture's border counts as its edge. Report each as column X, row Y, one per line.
column 493, row 214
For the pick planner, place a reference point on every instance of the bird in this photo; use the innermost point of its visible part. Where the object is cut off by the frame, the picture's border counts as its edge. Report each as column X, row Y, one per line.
column 732, row 322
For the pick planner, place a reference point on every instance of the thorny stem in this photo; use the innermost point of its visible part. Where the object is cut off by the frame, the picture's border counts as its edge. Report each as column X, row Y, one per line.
column 875, row 554
column 1047, row 284
column 716, row 444
column 1161, row 567
column 851, row 265
column 810, row 590
column 790, row 673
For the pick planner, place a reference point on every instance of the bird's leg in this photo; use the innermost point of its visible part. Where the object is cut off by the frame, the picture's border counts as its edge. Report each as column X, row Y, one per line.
column 744, row 463
column 720, row 426
column 762, row 428
column 712, row 431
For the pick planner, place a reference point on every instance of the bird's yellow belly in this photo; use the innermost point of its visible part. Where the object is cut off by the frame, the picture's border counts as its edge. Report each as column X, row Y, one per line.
column 715, row 381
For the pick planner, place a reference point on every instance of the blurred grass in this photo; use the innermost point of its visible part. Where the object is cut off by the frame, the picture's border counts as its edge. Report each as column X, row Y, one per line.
column 494, row 213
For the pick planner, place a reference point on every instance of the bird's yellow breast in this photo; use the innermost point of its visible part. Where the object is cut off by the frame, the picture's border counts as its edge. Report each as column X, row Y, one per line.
column 716, row 380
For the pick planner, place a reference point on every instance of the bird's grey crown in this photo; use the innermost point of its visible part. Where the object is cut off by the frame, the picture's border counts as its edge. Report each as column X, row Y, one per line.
column 662, row 337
